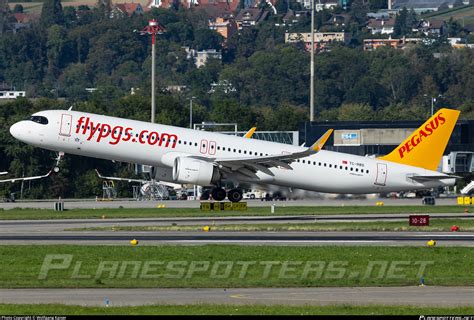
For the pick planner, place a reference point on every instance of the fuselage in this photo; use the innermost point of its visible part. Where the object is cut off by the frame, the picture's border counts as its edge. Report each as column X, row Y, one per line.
column 159, row 145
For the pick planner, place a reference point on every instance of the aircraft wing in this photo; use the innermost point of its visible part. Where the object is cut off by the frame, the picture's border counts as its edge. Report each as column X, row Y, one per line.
column 121, row 179
column 142, row 181
column 249, row 166
column 26, row 178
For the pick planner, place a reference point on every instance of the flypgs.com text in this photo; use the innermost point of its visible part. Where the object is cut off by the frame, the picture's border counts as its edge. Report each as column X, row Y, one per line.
column 103, row 131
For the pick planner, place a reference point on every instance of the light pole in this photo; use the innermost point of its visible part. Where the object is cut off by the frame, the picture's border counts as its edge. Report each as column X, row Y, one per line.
column 311, row 95
column 153, row 28
column 433, row 100
column 191, row 112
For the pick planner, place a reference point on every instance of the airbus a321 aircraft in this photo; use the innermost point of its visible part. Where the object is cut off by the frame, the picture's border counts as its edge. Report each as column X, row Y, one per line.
column 188, row 156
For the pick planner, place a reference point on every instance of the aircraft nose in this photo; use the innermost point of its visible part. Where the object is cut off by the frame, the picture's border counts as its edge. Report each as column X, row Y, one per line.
column 15, row 130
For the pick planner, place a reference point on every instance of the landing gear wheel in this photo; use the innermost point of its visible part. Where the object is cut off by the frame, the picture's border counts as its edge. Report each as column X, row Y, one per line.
column 218, row 194
column 205, row 195
column 234, row 195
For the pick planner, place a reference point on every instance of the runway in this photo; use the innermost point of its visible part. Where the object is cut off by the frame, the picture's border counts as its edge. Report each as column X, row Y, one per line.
column 415, row 296
column 58, row 225
column 241, row 238
column 128, row 203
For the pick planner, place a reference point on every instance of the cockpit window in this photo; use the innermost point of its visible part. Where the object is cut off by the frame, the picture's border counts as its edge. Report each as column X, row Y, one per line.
column 39, row 119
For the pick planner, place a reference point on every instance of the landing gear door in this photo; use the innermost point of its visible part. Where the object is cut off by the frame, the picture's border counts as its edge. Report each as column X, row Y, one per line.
column 65, row 129
column 381, row 178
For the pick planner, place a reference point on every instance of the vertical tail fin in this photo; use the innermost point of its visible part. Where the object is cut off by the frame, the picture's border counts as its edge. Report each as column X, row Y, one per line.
column 424, row 148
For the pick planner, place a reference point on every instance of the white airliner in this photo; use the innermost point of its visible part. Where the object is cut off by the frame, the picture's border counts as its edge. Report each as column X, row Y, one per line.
column 187, row 156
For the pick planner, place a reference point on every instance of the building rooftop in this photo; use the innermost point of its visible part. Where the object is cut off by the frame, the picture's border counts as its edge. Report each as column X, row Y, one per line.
column 420, row 4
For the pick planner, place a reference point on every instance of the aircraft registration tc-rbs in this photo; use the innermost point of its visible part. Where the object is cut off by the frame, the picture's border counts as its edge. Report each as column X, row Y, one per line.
column 188, row 156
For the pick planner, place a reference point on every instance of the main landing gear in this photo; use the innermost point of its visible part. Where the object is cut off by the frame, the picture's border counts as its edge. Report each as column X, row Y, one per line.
column 219, row 194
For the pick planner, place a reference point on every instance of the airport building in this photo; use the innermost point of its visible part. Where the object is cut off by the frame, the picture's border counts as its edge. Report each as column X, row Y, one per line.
column 381, row 137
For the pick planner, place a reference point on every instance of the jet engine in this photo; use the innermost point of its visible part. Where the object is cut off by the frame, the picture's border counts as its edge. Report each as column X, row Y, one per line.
column 193, row 171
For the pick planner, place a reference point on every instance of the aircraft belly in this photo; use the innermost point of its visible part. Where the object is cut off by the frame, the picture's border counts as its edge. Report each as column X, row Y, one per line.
column 324, row 180
column 130, row 153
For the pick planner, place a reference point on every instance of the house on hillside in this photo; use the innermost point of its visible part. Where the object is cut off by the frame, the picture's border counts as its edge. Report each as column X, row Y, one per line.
column 225, row 26
column 321, row 39
column 339, row 20
column 22, row 20
column 250, row 17
column 214, row 8
column 200, row 58
column 381, row 25
column 422, row 5
column 11, row 94
column 433, row 27
column 293, row 16
column 126, row 9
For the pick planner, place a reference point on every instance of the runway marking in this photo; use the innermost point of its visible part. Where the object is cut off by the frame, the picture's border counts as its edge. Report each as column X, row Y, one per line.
column 274, row 241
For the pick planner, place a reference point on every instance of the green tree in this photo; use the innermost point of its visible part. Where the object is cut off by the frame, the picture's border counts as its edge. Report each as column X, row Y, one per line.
column 207, row 39
column 18, row 8
column 56, row 45
column 401, row 26
column 358, row 11
column 75, row 80
column 375, row 5
column 52, row 13
column 281, row 6
column 453, row 28
column 356, row 112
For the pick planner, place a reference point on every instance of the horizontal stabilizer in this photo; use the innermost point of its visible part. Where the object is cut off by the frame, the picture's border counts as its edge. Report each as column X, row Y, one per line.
column 433, row 178
column 26, row 178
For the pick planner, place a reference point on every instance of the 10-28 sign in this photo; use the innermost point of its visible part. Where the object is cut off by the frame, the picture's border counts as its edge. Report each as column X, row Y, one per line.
column 419, row 220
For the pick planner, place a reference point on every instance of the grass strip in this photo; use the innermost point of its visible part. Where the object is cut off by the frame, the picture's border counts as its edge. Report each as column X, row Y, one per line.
column 281, row 209
column 439, row 225
column 227, row 266
column 209, row 309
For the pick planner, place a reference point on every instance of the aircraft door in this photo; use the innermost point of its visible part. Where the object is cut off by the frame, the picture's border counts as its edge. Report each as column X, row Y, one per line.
column 381, row 178
column 66, row 121
column 204, row 146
